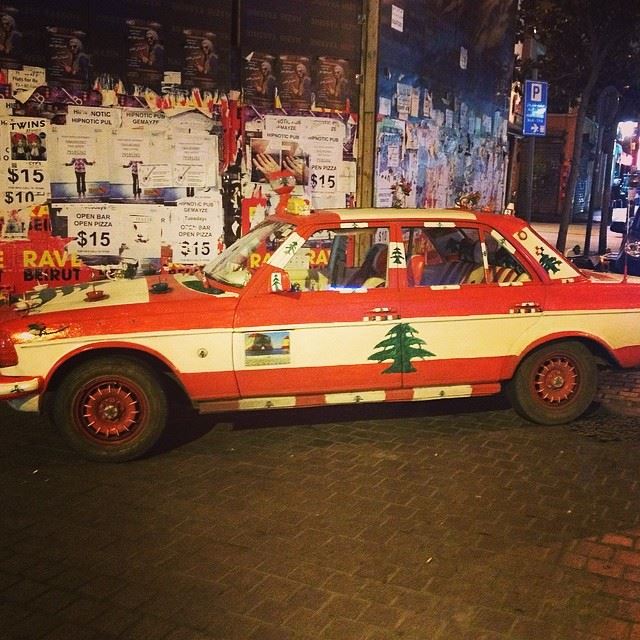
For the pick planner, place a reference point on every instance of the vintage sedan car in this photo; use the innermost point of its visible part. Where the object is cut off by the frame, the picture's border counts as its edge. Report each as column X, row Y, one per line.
column 324, row 308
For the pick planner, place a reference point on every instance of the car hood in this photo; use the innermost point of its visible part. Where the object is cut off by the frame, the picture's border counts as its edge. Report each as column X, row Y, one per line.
column 112, row 293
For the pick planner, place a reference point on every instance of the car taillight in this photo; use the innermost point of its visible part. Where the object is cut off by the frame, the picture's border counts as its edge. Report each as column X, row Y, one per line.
column 8, row 353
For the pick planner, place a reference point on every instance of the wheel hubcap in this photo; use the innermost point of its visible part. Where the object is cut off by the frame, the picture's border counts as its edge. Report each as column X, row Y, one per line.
column 557, row 380
column 110, row 411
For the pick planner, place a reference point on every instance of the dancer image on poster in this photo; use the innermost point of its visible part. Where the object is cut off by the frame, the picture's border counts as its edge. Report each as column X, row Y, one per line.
column 80, row 167
column 302, row 87
column 78, row 64
column 153, row 55
column 135, row 182
column 205, row 64
column 10, row 37
column 266, row 84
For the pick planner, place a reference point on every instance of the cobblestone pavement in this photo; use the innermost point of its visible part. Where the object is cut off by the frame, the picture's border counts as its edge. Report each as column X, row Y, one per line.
column 438, row 521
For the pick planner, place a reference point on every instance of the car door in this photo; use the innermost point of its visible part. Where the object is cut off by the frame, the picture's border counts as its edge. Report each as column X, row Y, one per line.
column 467, row 299
column 324, row 333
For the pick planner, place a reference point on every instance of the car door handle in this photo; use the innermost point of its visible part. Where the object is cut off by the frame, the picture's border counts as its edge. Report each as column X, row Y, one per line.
column 378, row 314
column 526, row 307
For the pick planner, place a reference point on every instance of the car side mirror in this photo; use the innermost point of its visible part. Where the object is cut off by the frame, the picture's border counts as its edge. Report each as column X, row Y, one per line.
column 279, row 281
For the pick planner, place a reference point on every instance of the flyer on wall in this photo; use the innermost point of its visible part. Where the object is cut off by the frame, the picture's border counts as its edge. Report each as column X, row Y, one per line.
column 69, row 62
column 25, row 168
column 145, row 53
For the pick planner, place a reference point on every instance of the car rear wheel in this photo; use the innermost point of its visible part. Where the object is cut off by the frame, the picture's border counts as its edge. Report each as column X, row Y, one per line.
column 111, row 408
column 554, row 384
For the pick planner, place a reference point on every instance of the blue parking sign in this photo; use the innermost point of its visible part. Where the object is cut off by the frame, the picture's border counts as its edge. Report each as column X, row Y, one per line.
column 534, row 122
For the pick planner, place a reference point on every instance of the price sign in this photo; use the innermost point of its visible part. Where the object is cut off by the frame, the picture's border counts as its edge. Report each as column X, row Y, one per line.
column 21, row 198
column 195, row 250
column 25, row 185
column 96, row 227
column 89, row 241
column 25, row 177
column 324, row 178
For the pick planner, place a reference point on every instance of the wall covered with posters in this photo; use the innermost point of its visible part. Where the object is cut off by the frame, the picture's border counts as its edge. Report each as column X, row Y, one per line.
column 139, row 127
column 145, row 131
column 112, row 136
column 444, row 77
column 299, row 67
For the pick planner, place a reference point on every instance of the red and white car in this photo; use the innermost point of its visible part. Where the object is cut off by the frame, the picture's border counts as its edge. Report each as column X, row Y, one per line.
column 321, row 308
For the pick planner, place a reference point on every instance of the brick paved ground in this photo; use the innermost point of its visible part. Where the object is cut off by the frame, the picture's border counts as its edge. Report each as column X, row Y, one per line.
column 445, row 521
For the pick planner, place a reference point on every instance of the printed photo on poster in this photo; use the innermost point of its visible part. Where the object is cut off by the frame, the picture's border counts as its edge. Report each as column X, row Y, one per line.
column 201, row 59
column 260, row 81
column 146, row 53
column 295, row 82
column 69, row 62
column 334, row 85
column 11, row 39
column 80, row 169
column 266, row 156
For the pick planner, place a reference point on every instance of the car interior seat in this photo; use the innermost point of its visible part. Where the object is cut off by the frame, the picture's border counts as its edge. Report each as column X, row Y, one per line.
column 373, row 271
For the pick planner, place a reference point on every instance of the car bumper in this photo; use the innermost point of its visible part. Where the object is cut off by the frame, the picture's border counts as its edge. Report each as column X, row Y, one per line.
column 12, row 387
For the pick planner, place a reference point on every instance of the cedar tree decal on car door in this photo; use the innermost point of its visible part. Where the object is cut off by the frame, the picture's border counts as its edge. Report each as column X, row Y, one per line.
column 401, row 346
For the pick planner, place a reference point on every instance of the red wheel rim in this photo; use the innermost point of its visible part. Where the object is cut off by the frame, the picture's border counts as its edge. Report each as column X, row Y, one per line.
column 110, row 410
column 557, row 380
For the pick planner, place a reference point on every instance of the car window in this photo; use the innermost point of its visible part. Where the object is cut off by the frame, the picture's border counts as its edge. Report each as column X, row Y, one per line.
column 503, row 264
column 443, row 255
column 236, row 265
column 341, row 259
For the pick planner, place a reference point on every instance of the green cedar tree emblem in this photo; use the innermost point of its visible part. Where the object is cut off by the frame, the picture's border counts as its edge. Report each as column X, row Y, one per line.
column 397, row 256
column 291, row 248
column 549, row 263
column 401, row 345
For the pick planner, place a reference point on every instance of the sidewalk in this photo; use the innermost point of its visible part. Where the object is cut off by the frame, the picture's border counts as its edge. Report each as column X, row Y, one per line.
column 576, row 236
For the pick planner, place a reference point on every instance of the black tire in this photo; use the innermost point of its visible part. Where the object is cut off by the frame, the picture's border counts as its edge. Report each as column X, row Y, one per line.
column 111, row 408
column 554, row 384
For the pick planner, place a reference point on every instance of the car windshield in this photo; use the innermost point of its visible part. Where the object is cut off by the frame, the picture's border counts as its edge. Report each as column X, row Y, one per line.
column 237, row 263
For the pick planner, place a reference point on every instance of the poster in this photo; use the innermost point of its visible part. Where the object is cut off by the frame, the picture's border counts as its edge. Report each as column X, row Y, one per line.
column 195, row 231
column 80, row 169
column 201, row 59
column 334, row 83
column 296, row 85
column 115, row 237
column 96, row 229
column 69, row 62
column 11, row 37
column 25, row 168
column 145, row 53
column 260, row 79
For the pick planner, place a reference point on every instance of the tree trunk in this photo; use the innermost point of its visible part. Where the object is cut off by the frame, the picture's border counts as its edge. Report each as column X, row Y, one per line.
column 574, row 171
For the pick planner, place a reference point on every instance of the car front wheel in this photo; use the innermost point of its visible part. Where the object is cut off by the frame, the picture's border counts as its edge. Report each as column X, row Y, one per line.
column 111, row 408
column 554, row 384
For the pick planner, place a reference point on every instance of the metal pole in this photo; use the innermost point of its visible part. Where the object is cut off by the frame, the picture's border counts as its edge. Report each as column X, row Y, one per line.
column 530, row 154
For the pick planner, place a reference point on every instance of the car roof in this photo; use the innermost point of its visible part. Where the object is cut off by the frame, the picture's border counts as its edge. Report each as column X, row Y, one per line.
column 366, row 214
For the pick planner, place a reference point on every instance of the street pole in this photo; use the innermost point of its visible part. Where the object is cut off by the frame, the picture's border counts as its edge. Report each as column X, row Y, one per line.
column 607, row 108
column 530, row 154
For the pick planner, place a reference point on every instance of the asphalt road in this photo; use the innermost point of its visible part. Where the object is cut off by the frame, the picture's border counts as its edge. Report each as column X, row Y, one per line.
column 445, row 520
